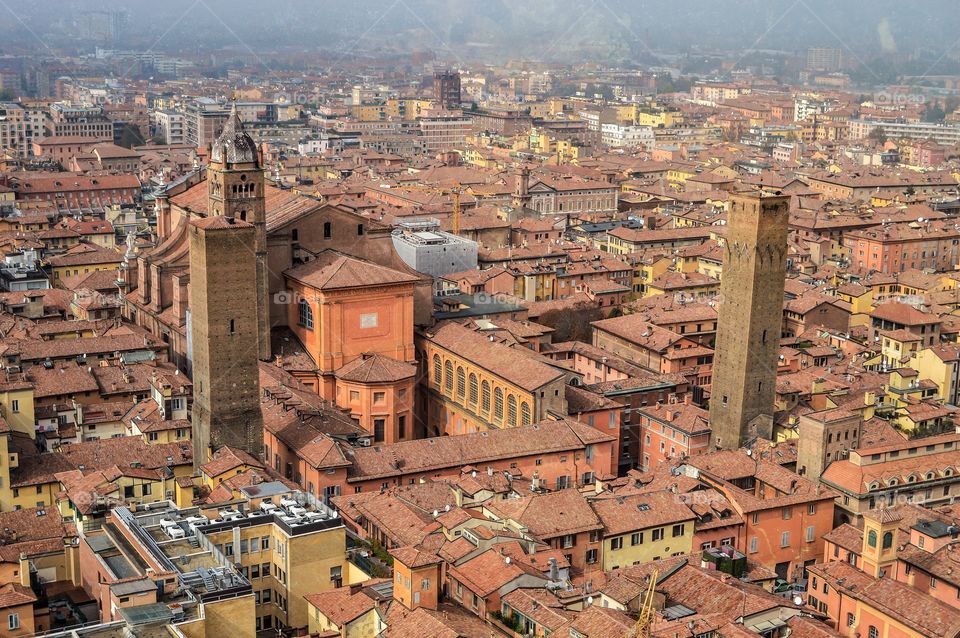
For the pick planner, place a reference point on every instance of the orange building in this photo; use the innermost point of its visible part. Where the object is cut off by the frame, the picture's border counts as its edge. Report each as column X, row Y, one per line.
column 379, row 393
column 416, row 580
column 901, row 246
column 672, row 431
column 341, row 307
column 785, row 515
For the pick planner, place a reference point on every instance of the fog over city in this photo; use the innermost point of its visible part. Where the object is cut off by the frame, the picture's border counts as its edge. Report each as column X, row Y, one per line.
column 887, row 36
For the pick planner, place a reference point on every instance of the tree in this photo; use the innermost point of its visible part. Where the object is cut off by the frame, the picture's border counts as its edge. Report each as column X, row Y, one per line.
column 877, row 135
column 572, row 324
column 932, row 112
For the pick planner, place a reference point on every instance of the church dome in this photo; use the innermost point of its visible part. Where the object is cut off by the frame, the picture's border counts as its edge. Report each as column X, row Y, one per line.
column 234, row 146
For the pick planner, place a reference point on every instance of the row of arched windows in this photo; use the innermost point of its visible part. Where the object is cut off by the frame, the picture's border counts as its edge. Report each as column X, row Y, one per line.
column 243, row 189
column 470, row 390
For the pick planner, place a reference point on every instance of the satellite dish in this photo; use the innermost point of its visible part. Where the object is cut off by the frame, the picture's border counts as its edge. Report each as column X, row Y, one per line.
column 589, row 600
column 797, row 600
column 749, row 452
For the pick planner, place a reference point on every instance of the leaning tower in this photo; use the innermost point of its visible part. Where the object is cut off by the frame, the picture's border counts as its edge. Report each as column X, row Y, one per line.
column 751, row 314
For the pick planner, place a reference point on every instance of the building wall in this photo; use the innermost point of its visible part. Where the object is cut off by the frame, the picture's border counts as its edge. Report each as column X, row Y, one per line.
column 744, row 369
column 416, row 587
column 349, row 323
column 224, row 307
column 769, row 526
column 394, row 410
column 453, row 407
column 676, row 539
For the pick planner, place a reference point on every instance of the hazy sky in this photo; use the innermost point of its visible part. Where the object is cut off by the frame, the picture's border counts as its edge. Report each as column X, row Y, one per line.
column 548, row 29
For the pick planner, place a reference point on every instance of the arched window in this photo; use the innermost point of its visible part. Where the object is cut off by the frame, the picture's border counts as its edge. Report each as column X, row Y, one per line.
column 498, row 403
column 873, row 633
column 512, row 410
column 473, row 388
column 243, row 215
column 461, row 382
column 887, row 540
column 524, row 413
column 930, row 476
column 448, row 375
column 948, row 472
column 872, row 538
column 485, row 396
column 306, row 314
column 437, row 370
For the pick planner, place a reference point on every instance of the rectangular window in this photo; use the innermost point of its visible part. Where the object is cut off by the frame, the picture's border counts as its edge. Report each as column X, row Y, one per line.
column 785, row 539
column 754, row 545
column 568, row 541
column 678, row 530
column 264, row 542
column 636, row 538
column 811, row 534
column 657, row 534
column 616, row 543
column 369, row 320
column 591, row 556
column 787, row 513
column 379, row 426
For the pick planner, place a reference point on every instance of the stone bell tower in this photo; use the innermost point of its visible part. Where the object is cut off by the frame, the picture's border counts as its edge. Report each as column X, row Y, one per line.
column 751, row 316
column 235, row 184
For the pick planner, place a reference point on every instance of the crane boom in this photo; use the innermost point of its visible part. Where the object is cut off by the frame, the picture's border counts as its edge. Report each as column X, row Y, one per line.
column 642, row 628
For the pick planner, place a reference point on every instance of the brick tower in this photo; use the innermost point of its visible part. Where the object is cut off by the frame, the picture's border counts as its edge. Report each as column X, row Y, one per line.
column 751, row 314
column 223, row 330
column 235, row 185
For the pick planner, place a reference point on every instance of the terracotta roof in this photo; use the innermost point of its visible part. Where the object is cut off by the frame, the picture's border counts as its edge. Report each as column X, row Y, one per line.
column 375, row 368
column 621, row 514
column 519, row 366
column 15, row 594
column 550, row 515
column 343, row 604
column 227, row 458
column 422, row 455
column 333, row 270
column 485, row 573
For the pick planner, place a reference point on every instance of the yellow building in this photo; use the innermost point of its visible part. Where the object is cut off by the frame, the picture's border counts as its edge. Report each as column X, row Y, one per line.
column 354, row 611
column 640, row 528
column 82, row 259
column 647, row 270
column 658, row 118
column 284, row 560
column 860, row 299
column 941, row 365
column 16, row 405
column 474, row 383
column 897, row 346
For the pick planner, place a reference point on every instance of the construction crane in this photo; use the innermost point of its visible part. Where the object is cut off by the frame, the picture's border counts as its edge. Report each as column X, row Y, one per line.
column 642, row 628
column 456, row 190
